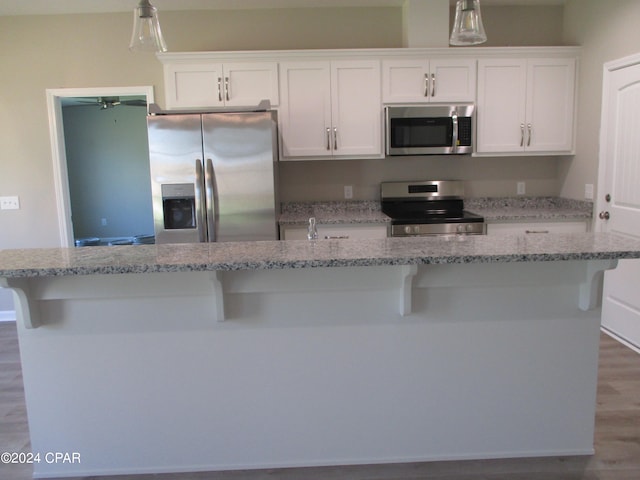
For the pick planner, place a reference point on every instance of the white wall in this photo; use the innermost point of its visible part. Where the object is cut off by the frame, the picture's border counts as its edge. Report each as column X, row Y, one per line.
column 108, row 164
column 606, row 31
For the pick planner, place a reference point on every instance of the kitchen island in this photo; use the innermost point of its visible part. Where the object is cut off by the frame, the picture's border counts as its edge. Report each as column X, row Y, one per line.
column 274, row 354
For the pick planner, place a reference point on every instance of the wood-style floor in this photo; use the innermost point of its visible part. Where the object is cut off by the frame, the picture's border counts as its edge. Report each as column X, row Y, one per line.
column 617, row 439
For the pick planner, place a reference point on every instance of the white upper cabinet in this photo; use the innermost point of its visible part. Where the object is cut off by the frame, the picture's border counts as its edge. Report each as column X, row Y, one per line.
column 208, row 84
column 526, row 106
column 421, row 80
column 330, row 109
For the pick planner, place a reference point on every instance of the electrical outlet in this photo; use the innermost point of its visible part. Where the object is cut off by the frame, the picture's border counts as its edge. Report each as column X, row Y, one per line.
column 521, row 188
column 103, row 221
column 348, row 192
column 588, row 191
column 9, row 203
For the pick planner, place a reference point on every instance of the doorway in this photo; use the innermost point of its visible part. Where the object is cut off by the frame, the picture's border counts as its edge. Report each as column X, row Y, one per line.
column 618, row 195
column 100, row 156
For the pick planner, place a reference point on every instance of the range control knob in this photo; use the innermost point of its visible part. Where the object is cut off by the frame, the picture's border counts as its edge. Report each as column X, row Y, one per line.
column 407, row 229
column 460, row 229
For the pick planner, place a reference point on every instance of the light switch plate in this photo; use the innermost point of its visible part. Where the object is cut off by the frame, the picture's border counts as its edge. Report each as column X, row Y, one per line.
column 9, row 203
column 588, row 191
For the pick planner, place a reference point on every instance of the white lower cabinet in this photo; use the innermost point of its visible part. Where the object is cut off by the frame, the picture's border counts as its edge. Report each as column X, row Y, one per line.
column 536, row 228
column 340, row 231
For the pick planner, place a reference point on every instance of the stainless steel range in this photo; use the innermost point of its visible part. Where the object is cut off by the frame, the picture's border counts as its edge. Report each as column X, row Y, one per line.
column 428, row 208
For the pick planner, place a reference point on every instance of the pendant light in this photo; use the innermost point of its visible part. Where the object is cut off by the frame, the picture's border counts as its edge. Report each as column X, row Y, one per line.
column 146, row 35
column 467, row 25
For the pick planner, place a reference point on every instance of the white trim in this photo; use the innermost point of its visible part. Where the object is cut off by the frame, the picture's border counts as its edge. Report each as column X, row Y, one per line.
column 622, row 62
column 620, row 339
column 58, row 153
column 168, row 58
column 7, row 315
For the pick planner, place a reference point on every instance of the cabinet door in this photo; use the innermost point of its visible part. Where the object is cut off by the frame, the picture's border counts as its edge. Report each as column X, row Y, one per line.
column 193, row 85
column 247, row 84
column 335, row 232
column 356, row 108
column 501, row 105
column 536, row 228
column 420, row 81
column 405, row 81
column 305, row 111
column 550, row 105
column 453, row 80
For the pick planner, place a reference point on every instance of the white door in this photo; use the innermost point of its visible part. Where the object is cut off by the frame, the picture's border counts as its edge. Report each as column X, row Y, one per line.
column 247, row 84
column 453, row 80
column 194, row 85
column 550, row 104
column 619, row 194
column 356, row 108
column 501, row 105
column 405, row 81
column 305, row 111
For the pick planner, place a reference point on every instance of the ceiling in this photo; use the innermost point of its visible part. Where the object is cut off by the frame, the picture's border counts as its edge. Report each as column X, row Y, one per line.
column 49, row 7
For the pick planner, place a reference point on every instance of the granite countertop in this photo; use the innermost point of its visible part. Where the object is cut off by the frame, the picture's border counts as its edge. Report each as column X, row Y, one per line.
column 529, row 208
column 332, row 213
column 492, row 209
column 448, row 249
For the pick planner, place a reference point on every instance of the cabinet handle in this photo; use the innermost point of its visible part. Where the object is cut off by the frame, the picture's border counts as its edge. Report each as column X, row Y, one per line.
column 219, row 89
column 328, row 138
column 226, row 88
column 536, row 231
column 522, row 134
column 335, row 138
column 336, row 237
column 426, row 84
column 433, row 85
column 529, row 135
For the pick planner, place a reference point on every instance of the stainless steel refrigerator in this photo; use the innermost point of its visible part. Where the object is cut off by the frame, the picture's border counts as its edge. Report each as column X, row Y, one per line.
column 213, row 176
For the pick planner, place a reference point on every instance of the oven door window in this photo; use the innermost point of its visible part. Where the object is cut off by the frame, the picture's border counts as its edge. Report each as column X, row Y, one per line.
column 421, row 132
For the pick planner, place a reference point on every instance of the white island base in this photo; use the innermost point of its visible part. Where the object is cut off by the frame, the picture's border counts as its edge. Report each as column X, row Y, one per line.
column 190, row 371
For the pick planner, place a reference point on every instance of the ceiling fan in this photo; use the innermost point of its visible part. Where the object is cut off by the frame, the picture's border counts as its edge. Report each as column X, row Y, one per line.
column 110, row 102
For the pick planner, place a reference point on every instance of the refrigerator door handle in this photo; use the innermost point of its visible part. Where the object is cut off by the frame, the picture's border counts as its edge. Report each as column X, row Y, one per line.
column 200, row 220
column 210, row 193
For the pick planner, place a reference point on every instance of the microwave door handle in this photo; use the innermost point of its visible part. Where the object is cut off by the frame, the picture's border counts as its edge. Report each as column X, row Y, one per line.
column 199, row 201
column 454, row 136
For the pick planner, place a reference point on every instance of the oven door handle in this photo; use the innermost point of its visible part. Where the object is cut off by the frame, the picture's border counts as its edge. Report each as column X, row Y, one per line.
column 454, row 135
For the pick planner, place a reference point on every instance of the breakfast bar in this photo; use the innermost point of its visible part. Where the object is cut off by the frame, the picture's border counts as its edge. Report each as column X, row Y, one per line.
column 240, row 355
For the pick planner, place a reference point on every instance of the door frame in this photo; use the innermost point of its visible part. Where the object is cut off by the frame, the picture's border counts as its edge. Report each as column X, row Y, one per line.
column 58, row 151
column 600, row 225
column 609, row 68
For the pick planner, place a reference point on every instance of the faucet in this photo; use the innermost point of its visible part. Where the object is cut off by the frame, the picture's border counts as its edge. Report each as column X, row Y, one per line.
column 312, row 231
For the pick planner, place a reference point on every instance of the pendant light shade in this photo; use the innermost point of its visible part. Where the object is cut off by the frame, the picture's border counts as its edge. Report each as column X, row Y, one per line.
column 146, row 35
column 467, row 25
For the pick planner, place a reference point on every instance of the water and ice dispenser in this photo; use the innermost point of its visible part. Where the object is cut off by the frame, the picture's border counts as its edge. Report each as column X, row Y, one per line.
column 179, row 206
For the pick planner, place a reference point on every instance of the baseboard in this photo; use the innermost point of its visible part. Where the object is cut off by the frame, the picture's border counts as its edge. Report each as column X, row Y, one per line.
column 8, row 316
column 620, row 339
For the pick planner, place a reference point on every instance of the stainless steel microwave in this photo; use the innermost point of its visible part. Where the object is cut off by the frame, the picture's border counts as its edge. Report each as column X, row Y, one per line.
column 429, row 129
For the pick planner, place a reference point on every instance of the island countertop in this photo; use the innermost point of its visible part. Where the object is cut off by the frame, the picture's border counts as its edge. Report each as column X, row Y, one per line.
column 452, row 249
